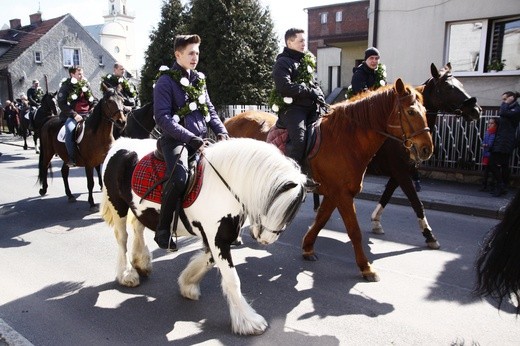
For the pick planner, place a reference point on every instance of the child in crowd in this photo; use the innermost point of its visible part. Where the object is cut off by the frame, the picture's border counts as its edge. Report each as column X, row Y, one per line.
column 487, row 143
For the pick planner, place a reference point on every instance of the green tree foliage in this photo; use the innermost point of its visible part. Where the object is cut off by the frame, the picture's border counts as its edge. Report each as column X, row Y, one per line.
column 238, row 49
column 160, row 50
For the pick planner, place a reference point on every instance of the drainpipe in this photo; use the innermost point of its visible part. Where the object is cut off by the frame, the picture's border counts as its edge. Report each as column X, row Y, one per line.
column 376, row 22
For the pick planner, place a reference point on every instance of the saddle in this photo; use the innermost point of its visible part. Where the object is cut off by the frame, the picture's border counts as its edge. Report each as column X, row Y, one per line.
column 280, row 138
column 150, row 174
column 77, row 134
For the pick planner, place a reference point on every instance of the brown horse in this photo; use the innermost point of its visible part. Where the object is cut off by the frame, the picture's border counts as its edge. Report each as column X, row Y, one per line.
column 442, row 92
column 351, row 134
column 92, row 149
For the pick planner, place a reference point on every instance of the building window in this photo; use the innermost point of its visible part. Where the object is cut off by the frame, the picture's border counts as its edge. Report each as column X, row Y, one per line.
column 474, row 45
column 100, row 60
column 71, row 57
column 116, row 49
column 323, row 18
column 339, row 16
column 38, row 57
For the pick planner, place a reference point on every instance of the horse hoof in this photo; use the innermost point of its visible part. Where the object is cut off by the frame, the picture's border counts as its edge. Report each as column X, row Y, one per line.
column 378, row 230
column 371, row 277
column 94, row 208
column 71, row 199
column 433, row 245
column 311, row 258
column 237, row 242
column 43, row 192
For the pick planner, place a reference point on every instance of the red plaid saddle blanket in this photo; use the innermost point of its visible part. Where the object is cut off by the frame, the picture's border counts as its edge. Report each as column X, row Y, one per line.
column 150, row 170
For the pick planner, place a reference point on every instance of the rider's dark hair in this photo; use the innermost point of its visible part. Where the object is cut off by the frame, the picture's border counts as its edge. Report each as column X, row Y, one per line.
column 291, row 33
column 181, row 41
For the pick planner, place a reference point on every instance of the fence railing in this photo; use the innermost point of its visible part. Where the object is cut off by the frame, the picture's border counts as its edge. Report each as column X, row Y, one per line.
column 458, row 143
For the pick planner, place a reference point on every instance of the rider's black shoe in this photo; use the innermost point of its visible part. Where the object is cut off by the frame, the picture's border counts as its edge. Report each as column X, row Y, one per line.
column 163, row 239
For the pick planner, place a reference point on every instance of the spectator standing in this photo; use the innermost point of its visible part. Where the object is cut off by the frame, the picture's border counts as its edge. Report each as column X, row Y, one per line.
column 505, row 143
column 11, row 114
column 487, row 144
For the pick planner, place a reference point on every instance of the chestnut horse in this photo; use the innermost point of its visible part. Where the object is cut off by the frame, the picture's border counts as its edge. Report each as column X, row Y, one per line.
column 359, row 128
column 442, row 92
column 92, row 149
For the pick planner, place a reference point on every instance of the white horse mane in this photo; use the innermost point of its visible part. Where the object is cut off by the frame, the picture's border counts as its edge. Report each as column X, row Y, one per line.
column 257, row 173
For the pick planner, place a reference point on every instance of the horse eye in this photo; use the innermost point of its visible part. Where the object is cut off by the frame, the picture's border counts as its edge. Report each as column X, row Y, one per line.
column 411, row 112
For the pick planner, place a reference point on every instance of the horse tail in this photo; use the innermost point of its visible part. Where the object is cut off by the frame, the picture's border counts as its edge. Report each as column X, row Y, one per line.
column 497, row 264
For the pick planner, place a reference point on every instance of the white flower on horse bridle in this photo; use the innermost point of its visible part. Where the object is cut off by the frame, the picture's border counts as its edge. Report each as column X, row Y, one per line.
column 288, row 100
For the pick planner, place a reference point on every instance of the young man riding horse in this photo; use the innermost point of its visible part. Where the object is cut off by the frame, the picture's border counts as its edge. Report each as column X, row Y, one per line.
column 118, row 79
column 304, row 96
column 183, row 111
column 76, row 100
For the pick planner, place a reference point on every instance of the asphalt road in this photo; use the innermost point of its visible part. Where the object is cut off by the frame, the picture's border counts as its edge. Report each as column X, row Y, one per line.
column 58, row 266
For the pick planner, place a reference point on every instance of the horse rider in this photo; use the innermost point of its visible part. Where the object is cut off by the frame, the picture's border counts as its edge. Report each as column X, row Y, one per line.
column 128, row 90
column 364, row 75
column 306, row 95
column 183, row 112
column 34, row 96
column 76, row 101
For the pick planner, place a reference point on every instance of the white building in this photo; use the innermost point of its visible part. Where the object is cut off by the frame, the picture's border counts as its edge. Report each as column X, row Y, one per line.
column 117, row 34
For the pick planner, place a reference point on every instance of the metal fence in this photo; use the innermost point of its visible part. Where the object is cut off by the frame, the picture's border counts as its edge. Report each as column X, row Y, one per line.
column 457, row 142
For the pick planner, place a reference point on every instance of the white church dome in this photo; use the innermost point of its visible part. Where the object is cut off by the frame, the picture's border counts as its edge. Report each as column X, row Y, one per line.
column 113, row 29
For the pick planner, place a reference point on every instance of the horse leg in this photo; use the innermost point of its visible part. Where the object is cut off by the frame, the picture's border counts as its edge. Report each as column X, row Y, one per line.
column 65, row 176
column 322, row 216
column 35, row 139
column 316, row 200
column 24, row 135
column 100, row 178
column 192, row 275
column 375, row 218
column 141, row 256
column 89, row 172
column 418, row 207
column 347, row 211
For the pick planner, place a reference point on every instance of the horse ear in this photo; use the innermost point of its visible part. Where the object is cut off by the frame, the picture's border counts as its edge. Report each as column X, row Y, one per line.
column 434, row 71
column 399, row 86
column 448, row 66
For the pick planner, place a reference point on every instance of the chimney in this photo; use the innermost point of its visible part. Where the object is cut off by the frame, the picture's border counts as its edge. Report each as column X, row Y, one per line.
column 15, row 23
column 35, row 18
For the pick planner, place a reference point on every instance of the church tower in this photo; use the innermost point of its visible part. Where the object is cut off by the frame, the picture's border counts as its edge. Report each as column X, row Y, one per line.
column 118, row 35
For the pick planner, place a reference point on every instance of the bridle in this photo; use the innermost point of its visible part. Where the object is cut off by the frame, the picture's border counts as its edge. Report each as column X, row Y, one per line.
column 406, row 140
column 112, row 114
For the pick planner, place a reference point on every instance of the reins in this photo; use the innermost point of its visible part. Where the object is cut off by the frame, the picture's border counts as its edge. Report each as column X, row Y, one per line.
column 405, row 140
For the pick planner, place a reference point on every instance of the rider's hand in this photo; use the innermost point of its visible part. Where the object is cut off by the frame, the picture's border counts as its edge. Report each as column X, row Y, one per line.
column 222, row 137
column 196, row 143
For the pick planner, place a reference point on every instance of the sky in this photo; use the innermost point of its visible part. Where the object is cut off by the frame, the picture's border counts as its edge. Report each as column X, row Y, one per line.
column 285, row 14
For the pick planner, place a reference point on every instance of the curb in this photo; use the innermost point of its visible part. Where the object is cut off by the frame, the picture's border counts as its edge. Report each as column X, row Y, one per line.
column 440, row 206
column 9, row 336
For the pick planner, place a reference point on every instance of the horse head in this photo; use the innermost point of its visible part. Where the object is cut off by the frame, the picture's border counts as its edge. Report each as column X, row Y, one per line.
column 49, row 102
column 112, row 105
column 412, row 125
column 443, row 92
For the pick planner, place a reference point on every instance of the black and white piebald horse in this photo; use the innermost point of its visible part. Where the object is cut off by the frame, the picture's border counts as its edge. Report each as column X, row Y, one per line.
column 242, row 179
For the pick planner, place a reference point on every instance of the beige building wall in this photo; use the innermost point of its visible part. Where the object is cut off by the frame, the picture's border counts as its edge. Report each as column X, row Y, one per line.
column 412, row 34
